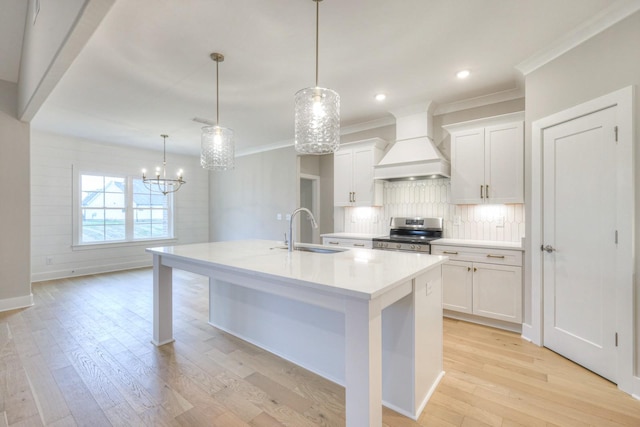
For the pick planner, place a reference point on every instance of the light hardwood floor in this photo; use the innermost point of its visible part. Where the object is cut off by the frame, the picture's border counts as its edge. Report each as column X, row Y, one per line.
column 82, row 356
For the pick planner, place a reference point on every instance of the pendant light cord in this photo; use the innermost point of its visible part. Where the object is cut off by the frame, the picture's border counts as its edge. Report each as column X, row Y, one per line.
column 317, row 35
column 217, row 95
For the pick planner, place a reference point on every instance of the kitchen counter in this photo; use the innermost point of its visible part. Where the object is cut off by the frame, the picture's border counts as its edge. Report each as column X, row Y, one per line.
column 324, row 312
column 489, row 244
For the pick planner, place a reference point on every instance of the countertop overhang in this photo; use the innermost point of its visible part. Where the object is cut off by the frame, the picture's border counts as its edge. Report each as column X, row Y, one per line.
column 361, row 273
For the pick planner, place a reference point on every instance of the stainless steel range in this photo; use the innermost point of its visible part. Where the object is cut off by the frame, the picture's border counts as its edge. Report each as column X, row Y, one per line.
column 410, row 234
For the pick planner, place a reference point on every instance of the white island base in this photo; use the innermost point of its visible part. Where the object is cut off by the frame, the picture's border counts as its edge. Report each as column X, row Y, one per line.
column 368, row 320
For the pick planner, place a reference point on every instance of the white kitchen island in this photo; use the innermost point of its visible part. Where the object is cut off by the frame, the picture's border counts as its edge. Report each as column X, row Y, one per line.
column 369, row 320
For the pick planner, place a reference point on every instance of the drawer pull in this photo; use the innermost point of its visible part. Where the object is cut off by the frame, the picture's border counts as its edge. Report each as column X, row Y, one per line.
column 334, row 243
column 359, row 245
column 468, row 268
column 495, row 256
column 450, row 253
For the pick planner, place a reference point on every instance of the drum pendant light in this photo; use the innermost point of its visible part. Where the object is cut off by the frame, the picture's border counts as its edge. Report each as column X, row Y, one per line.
column 317, row 114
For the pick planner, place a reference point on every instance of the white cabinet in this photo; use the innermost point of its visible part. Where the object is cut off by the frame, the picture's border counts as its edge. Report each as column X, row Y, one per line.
column 353, row 183
column 350, row 243
column 483, row 282
column 487, row 160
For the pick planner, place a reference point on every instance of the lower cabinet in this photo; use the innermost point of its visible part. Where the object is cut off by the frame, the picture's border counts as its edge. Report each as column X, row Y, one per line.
column 482, row 282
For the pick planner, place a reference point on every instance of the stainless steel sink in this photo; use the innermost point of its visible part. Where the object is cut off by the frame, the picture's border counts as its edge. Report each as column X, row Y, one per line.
column 316, row 249
column 319, row 250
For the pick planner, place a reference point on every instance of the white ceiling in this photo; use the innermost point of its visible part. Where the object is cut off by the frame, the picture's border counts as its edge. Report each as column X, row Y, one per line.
column 147, row 70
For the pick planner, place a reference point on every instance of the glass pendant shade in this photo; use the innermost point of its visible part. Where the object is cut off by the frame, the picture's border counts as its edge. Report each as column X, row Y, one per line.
column 217, row 151
column 317, row 121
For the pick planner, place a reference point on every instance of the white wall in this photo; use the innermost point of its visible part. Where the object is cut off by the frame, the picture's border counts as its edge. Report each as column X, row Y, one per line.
column 603, row 64
column 15, row 283
column 52, row 159
column 244, row 202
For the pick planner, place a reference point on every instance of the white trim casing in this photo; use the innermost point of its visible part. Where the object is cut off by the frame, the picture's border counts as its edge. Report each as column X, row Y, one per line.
column 625, row 212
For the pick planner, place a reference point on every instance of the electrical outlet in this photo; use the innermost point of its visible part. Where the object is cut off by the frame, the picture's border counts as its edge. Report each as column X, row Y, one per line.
column 500, row 221
column 429, row 288
column 456, row 220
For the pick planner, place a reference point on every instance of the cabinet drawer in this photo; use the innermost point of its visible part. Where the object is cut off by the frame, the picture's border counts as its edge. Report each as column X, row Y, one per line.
column 352, row 243
column 489, row 256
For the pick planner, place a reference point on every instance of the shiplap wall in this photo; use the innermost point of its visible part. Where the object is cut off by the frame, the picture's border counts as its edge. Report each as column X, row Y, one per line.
column 430, row 198
column 53, row 158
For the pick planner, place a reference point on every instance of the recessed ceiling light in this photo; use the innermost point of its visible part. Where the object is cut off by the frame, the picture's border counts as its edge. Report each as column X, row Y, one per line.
column 381, row 97
column 463, row 74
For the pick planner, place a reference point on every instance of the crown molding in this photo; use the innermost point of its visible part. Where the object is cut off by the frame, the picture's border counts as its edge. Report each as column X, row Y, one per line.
column 600, row 22
column 480, row 101
column 346, row 130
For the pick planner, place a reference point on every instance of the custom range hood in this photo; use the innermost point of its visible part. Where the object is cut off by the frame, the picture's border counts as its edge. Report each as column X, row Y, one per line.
column 414, row 154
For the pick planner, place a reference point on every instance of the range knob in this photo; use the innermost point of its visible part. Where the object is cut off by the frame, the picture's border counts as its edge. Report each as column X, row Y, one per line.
column 414, row 247
column 398, row 245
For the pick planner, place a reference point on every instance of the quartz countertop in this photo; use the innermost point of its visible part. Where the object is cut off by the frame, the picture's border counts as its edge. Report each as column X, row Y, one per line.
column 356, row 236
column 361, row 273
column 490, row 244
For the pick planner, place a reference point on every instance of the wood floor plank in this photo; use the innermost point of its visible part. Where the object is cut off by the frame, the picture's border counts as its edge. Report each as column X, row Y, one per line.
column 92, row 334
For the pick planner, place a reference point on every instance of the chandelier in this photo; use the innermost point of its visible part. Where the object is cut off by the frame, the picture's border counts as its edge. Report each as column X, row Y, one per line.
column 217, row 142
column 317, row 114
column 162, row 184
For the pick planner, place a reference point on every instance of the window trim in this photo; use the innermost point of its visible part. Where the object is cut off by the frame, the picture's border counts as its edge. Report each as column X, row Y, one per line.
column 76, row 244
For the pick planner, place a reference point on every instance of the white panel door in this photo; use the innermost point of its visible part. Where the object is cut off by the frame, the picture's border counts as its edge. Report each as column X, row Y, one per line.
column 467, row 167
column 504, row 163
column 457, row 286
column 579, row 212
column 343, row 177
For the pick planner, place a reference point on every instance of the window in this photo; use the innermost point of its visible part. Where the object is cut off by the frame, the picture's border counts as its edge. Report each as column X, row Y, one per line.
column 121, row 209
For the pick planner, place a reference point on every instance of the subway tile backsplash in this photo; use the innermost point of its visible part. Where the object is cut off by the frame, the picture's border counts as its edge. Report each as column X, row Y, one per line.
column 430, row 197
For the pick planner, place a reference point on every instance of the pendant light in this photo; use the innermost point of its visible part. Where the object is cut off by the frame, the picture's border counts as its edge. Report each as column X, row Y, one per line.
column 162, row 184
column 317, row 111
column 217, row 141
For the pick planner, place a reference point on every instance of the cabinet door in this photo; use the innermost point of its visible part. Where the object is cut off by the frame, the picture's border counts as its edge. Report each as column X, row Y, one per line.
column 504, row 163
column 457, row 286
column 497, row 291
column 342, row 177
column 363, row 183
column 467, row 167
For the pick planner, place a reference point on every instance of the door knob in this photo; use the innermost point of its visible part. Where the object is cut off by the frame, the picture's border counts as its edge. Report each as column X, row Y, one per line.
column 547, row 248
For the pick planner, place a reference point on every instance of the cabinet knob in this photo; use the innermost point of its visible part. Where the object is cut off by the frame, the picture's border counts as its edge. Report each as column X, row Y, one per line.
column 468, row 268
column 475, row 269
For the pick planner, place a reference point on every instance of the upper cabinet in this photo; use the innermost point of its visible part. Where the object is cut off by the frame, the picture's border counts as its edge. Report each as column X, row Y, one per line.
column 353, row 183
column 487, row 160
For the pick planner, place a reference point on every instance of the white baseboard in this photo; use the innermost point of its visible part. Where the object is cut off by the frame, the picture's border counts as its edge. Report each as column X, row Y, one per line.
column 494, row 323
column 17, row 302
column 527, row 332
column 636, row 388
column 84, row 271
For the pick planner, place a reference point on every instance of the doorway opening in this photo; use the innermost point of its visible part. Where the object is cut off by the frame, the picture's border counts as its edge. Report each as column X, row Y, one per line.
column 310, row 199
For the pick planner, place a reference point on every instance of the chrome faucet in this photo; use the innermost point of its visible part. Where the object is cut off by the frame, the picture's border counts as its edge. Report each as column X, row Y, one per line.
column 291, row 244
